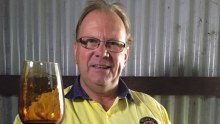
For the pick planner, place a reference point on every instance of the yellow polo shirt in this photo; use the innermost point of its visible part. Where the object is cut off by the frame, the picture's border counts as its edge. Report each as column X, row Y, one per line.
column 130, row 107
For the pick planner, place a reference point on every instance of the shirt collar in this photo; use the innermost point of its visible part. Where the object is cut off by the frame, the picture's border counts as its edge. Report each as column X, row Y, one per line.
column 77, row 92
column 124, row 91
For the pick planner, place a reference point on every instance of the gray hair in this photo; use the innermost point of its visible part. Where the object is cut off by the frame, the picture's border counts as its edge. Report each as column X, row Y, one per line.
column 114, row 7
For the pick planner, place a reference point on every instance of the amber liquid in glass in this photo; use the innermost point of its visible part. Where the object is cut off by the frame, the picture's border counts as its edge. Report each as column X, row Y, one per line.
column 39, row 99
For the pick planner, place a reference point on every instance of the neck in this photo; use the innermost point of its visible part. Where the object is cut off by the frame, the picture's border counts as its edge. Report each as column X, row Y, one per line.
column 106, row 101
column 104, row 97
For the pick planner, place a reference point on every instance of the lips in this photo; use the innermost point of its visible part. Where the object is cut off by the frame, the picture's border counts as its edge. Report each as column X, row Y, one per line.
column 98, row 66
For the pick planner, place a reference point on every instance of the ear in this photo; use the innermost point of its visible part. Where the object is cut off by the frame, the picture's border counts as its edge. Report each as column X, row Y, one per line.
column 126, row 55
column 75, row 52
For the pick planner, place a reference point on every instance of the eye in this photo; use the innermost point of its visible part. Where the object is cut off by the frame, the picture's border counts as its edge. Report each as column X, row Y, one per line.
column 89, row 42
column 83, row 41
column 115, row 43
column 115, row 46
column 92, row 41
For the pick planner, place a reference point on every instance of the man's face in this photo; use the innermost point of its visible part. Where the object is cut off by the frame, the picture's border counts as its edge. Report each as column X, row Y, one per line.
column 100, row 67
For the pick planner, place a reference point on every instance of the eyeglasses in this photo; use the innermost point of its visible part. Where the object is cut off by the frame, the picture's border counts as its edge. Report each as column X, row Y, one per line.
column 93, row 43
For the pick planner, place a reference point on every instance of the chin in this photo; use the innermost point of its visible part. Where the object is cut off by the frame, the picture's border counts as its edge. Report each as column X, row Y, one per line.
column 100, row 80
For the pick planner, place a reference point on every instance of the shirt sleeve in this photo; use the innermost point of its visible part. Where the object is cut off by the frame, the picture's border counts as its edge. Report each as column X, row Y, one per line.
column 165, row 116
column 17, row 120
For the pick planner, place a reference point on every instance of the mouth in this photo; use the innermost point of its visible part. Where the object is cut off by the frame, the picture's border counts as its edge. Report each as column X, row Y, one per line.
column 97, row 66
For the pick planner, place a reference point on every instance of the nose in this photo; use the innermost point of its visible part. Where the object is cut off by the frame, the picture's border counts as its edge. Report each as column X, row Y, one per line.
column 101, row 51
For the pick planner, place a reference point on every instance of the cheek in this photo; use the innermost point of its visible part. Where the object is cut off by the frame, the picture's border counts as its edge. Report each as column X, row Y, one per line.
column 81, row 56
column 76, row 52
column 122, row 63
column 119, row 61
column 82, row 63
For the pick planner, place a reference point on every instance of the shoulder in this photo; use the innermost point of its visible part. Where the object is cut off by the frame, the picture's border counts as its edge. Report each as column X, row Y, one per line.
column 140, row 96
column 17, row 120
column 66, row 90
column 146, row 100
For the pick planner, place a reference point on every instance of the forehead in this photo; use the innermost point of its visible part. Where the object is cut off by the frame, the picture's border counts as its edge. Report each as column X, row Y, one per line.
column 102, row 24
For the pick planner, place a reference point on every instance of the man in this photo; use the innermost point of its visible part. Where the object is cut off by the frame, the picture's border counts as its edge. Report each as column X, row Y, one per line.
column 101, row 50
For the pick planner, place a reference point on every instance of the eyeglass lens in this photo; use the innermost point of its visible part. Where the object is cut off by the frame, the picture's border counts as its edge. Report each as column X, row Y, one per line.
column 93, row 43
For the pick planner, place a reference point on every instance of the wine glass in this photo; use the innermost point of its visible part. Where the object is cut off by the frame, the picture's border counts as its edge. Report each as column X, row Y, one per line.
column 41, row 93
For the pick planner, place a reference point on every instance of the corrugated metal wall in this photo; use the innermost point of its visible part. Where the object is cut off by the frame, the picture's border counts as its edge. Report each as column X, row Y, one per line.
column 172, row 38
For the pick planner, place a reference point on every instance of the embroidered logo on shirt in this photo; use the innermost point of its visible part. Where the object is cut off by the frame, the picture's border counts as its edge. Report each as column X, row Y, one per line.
column 148, row 120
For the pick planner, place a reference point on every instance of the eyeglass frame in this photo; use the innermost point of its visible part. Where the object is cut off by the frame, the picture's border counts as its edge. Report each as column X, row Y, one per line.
column 85, row 42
